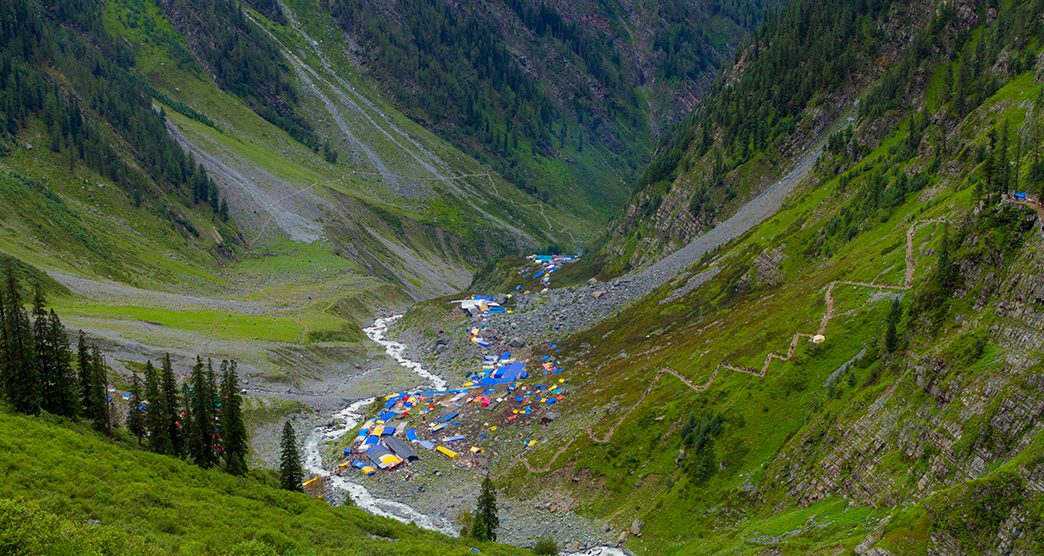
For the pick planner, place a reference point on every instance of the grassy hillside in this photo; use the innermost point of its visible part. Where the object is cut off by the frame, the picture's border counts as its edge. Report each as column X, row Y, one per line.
column 930, row 444
column 60, row 477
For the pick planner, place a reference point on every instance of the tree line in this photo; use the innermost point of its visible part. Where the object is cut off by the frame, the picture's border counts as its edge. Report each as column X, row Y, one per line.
column 200, row 420
column 95, row 97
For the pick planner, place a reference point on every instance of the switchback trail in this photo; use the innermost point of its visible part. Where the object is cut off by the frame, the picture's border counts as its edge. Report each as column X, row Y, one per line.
column 828, row 297
column 827, row 316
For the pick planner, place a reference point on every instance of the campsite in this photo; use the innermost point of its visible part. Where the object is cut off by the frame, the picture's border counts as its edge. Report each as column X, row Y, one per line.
column 502, row 397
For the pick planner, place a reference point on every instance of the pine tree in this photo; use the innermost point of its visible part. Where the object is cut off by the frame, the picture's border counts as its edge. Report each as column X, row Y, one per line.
column 21, row 373
column 86, row 376
column 486, row 522
column 103, row 419
column 186, row 426
column 157, row 421
column 62, row 398
column 891, row 337
column 3, row 345
column 233, row 432
column 43, row 355
column 135, row 416
column 202, row 410
column 291, row 474
column 171, row 410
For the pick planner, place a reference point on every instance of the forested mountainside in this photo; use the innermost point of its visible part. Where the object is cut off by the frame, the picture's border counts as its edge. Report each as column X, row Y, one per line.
column 861, row 371
column 562, row 98
column 792, row 88
column 824, row 332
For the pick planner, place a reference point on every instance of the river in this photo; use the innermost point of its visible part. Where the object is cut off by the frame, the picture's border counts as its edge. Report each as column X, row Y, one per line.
column 347, row 419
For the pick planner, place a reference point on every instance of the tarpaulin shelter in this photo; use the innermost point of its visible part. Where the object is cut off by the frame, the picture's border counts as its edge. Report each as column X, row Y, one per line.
column 446, row 451
column 401, row 449
column 364, row 467
column 383, row 458
column 447, row 417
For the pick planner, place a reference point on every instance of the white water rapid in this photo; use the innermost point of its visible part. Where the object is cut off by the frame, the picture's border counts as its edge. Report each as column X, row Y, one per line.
column 346, row 420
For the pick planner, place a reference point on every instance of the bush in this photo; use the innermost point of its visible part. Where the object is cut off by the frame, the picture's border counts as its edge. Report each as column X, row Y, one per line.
column 546, row 545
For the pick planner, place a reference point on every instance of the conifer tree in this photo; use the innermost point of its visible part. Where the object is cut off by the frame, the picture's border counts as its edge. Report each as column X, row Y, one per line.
column 201, row 406
column 891, row 337
column 135, row 416
column 85, row 376
column 486, row 522
column 185, row 424
column 157, row 421
column 233, row 432
column 291, row 474
column 43, row 355
column 21, row 373
column 103, row 419
column 60, row 396
column 3, row 345
column 171, row 409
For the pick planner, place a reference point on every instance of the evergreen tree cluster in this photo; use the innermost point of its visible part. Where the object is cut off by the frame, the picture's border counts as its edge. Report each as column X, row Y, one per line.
column 36, row 361
column 59, row 65
column 449, row 67
column 242, row 59
column 202, row 421
column 454, row 73
column 688, row 49
column 698, row 441
column 811, row 49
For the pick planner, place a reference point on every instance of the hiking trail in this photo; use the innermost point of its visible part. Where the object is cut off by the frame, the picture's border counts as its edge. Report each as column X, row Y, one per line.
column 827, row 316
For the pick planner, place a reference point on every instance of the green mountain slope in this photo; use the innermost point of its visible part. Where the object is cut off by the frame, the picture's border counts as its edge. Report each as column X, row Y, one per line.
column 139, row 502
column 562, row 98
column 709, row 414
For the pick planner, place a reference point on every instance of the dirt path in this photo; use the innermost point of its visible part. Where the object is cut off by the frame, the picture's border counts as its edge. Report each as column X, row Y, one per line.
column 608, row 435
column 1034, row 204
column 795, row 339
column 828, row 298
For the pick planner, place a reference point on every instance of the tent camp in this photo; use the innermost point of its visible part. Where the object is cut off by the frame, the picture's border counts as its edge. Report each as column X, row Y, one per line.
column 383, row 458
column 401, row 449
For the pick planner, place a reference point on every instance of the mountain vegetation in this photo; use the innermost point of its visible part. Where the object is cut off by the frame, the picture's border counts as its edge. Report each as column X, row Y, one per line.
column 98, row 114
column 917, row 406
column 801, row 70
column 59, row 475
column 234, row 189
column 554, row 96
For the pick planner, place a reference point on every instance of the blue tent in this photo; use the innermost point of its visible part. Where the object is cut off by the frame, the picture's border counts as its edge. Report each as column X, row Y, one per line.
column 411, row 435
column 447, row 417
column 1020, row 195
column 456, row 438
